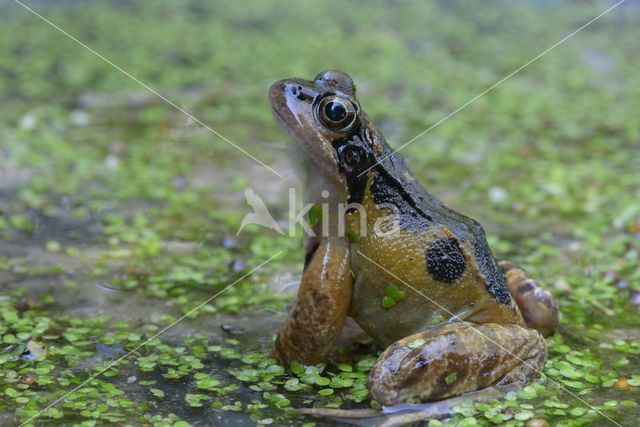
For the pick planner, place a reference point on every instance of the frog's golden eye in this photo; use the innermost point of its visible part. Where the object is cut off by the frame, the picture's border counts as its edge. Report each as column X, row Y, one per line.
column 336, row 113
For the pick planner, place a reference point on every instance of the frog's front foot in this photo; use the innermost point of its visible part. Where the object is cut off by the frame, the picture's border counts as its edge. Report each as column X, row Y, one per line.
column 454, row 359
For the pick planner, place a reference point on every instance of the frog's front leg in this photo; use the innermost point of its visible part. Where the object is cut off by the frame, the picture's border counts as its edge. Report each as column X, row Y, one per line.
column 536, row 304
column 456, row 358
column 318, row 314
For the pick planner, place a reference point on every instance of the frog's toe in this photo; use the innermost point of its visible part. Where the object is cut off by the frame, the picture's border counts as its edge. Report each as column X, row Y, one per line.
column 536, row 304
column 454, row 359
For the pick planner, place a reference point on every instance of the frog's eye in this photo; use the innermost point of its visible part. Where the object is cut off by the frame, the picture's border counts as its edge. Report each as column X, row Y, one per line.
column 336, row 113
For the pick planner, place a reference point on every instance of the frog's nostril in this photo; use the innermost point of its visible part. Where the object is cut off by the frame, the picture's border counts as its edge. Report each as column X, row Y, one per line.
column 296, row 90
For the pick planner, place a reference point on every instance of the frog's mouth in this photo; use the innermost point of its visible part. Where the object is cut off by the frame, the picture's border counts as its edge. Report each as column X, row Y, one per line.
column 292, row 105
column 288, row 105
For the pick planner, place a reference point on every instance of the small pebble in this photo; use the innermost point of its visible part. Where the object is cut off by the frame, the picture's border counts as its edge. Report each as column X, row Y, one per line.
column 635, row 298
column 26, row 304
column 498, row 194
column 80, row 118
column 562, row 285
column 622, row 384
column 180, row 182
column 229, row 242
column 232, row 330
column 33, row 350
column 28, row 122
column 28, row 379
column 238, row 265
column 537, row 422
column 112, row 162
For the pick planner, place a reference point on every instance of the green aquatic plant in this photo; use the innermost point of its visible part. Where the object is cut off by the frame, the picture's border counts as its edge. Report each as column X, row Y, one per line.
column 109, row 188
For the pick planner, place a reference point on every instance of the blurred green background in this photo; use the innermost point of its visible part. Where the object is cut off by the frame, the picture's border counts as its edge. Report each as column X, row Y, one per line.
column 118, row 213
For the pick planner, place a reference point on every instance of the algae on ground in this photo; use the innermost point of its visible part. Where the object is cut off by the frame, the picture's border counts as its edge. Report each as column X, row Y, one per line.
column 118, row 214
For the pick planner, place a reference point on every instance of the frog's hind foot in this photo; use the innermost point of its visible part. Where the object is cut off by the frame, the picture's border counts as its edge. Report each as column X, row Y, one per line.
column 404, row 414
column 454, row 359
column 537, row 306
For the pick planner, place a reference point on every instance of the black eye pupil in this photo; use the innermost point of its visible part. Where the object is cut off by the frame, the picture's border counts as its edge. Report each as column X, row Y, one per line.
column 335, row 111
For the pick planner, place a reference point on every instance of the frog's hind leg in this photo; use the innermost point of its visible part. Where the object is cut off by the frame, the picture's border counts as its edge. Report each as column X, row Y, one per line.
column 537, row 306
column 454, row 359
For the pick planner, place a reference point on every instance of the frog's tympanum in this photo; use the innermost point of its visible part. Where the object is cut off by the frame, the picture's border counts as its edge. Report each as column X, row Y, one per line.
column 418, row 277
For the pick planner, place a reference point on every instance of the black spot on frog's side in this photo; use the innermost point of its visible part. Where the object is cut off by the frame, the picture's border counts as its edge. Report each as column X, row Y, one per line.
column 445, row 261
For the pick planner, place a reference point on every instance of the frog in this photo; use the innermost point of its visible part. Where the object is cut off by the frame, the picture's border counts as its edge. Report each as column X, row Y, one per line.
column 418, row 277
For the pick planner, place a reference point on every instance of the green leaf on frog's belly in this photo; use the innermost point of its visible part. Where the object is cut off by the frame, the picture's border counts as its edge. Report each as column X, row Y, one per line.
column 388, row 302
column 394, row 293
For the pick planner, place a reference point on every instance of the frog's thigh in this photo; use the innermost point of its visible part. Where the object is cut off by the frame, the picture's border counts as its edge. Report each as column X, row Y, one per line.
column 538, row 307
column 456, row 358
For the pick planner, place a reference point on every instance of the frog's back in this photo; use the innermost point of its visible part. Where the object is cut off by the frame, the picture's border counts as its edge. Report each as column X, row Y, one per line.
column 419, row 210
column 442, row 254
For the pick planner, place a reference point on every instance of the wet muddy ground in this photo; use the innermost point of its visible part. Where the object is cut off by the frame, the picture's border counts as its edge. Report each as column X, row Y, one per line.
column 118, row 214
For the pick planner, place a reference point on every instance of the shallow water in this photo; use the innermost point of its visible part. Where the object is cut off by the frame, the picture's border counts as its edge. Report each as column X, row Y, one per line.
column 113, row 204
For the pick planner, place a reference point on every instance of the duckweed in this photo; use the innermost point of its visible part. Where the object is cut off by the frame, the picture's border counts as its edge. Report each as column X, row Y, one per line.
column 109, row 189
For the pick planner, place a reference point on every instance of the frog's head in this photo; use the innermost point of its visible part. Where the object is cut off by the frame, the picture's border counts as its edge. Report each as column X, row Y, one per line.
column 325, row 119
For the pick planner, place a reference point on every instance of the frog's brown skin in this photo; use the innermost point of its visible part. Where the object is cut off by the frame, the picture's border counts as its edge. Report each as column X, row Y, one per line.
column 467, row 321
